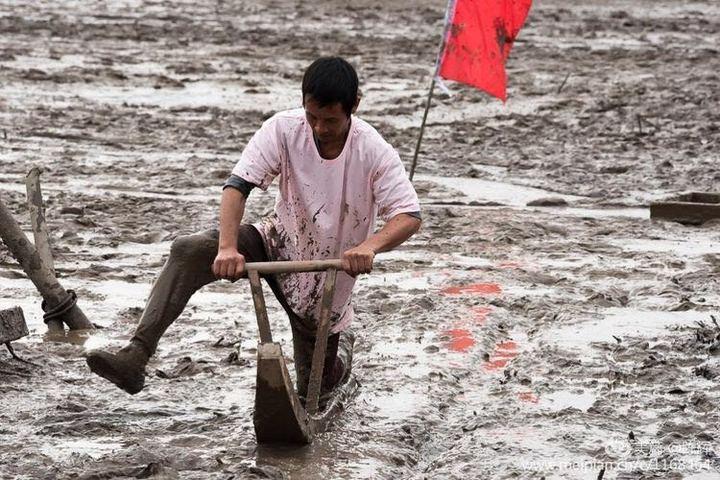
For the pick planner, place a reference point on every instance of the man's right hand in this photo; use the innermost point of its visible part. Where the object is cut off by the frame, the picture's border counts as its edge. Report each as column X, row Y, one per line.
column 228, row 264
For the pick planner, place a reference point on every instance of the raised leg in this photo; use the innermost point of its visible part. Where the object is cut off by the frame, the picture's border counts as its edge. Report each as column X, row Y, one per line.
column 187, row 270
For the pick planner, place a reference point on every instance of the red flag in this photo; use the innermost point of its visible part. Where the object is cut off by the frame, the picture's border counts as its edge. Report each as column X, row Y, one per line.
column 478, row 41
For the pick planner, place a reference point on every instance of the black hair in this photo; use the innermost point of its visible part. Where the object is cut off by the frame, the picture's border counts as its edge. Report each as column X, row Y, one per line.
column 331, row 80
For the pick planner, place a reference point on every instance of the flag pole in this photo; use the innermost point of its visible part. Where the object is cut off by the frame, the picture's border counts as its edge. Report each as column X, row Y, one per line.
column 422, row 127
column 448, row 18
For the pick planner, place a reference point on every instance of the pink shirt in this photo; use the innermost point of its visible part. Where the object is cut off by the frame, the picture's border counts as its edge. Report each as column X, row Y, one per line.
column 324, row 207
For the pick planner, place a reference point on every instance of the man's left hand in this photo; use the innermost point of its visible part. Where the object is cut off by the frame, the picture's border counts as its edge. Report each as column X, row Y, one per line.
column 358, row 260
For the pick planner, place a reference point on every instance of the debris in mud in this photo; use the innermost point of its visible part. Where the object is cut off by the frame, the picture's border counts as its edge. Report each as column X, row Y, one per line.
column 154, row 470
column 548, row 202
column 186, row 367
column 253, row 472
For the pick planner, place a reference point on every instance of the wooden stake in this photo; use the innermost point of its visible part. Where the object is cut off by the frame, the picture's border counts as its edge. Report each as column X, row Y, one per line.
column 37, row 217
column 40, row 233
column 42, row 277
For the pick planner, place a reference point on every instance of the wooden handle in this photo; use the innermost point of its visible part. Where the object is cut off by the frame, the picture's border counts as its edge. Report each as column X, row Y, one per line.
column 269, row 268
column 321, row 338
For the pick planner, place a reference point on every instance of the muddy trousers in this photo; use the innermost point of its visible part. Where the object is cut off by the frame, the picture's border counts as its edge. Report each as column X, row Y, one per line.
column 190, row 267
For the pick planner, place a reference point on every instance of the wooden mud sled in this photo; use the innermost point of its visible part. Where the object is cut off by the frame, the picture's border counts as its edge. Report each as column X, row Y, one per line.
column 690, row 208
column 279, row 416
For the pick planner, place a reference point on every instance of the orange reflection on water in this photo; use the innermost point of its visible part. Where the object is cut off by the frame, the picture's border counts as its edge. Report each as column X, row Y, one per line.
column 474, row 289
column 528, row 397
column 480, row 314
column 461, row 340
column 503, row 353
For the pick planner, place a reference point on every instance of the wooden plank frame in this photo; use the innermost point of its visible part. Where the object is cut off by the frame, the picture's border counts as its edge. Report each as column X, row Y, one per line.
column 694, row 208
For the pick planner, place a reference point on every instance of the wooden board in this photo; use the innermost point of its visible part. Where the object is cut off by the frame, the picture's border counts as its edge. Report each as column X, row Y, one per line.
column 279, row 417
column 691, row 208
column 12, row 325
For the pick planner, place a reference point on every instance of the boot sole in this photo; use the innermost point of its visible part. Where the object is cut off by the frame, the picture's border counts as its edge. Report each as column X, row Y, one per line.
column 102, row 367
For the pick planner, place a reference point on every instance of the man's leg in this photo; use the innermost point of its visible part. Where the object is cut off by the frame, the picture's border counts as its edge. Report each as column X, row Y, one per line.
column 187, row 270
column 338, row 356
column 338, row 360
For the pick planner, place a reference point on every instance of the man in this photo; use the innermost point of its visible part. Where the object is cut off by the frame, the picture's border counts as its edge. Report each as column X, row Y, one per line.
column 336, row 173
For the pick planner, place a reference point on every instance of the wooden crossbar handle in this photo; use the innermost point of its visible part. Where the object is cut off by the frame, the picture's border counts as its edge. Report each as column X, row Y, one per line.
column 269, row 268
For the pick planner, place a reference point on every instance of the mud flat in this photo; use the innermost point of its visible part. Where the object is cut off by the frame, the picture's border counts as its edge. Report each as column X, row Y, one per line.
column 504, row 341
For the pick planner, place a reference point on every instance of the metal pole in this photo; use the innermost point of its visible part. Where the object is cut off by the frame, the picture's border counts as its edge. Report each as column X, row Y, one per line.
column 449, row 13
column 422, row 128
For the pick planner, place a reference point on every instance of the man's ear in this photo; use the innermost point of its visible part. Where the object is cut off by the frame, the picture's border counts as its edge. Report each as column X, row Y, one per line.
column 357, row 102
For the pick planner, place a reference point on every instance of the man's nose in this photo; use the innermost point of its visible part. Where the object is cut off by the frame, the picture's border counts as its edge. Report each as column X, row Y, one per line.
column 320, row 128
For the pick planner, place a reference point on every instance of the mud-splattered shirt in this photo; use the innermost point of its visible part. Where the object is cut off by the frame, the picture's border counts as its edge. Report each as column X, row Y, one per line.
column 324, row 207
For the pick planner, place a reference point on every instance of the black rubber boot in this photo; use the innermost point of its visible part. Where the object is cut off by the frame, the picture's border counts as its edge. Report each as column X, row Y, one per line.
column 342, row 370
column 126, row 368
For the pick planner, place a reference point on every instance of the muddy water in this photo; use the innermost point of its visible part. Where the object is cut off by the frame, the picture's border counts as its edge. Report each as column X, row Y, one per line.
column 504, row 341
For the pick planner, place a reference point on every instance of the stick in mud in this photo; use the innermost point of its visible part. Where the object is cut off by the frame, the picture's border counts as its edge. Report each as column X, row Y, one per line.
column 39, row 273
column 40, row 233
column 37, row 217
column 562, row 85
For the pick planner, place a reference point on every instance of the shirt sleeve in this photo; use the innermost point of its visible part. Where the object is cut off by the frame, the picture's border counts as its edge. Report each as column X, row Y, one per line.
column 260, row 162
column 394, row 194
column 240, row 185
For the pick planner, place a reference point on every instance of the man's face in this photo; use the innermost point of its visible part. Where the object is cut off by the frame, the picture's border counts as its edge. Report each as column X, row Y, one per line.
column 330, row 123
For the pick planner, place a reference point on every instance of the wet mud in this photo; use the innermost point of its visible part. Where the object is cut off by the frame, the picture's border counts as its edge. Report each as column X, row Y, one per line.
column 540, row 324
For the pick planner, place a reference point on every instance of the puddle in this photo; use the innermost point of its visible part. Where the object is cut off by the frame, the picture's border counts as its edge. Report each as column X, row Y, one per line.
column 444, row 115
column 273, row 97
column 437, row 260
column 678, row 247
column 629, row 212
column 488, row 191
column 395, row 405
column 90, row 189
column 619, row 322
column 402, row 280
column 96, row 449
column 563, row 399
column 637, row 213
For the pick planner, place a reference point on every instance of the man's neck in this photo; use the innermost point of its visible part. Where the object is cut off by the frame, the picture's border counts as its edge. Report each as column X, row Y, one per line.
column 328, row 150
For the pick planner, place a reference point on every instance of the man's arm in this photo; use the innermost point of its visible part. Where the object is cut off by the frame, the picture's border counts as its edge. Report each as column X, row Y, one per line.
column 229, row 263
column 398, row 229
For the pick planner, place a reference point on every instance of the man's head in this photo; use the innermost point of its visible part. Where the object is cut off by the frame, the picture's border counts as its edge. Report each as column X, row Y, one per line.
column 330, row 96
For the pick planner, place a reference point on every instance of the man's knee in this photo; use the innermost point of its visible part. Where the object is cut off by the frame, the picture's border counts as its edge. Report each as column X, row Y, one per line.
column 193, row 247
